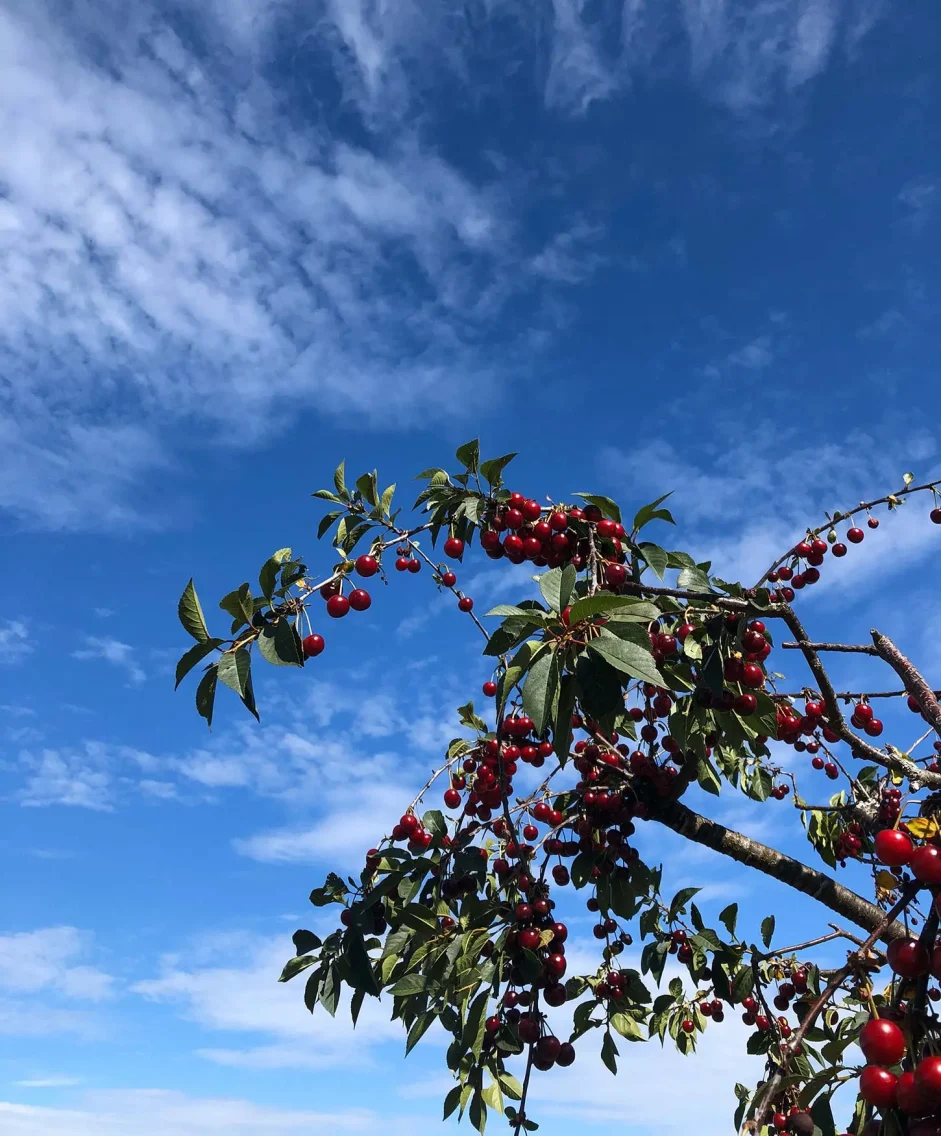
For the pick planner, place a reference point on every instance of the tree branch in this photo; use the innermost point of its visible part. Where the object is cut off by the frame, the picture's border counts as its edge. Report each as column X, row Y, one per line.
column 785, row 869
column 910, row 675
column 848, row 648
column 894, row 761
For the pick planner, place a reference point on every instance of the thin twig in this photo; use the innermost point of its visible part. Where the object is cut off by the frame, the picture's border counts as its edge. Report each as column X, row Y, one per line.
column 848, row 648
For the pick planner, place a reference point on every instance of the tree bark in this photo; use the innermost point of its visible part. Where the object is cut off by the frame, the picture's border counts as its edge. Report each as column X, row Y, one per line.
column 819, row 886
column 911, row 676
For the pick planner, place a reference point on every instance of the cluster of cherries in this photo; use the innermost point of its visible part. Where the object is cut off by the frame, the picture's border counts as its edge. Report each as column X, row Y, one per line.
column 916, row 1092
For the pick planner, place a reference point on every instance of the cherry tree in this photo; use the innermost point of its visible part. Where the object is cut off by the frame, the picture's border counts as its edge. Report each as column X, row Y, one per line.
column 637, row 673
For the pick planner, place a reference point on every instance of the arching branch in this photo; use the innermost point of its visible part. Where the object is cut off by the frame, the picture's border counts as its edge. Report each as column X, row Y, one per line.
column 753, row 854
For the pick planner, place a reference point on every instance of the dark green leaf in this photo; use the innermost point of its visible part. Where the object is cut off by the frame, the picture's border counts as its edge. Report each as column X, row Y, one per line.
column 361, row 972
column 193, row 656
column 767, row 930
column 239, row 604
column 473, row 1034
column 451, row 1101
column 339, row 479
column 694, row 579
column 823, row 1116
column 712, row 671
column 469, row 455
column 493, row 468
column 708, row 777
column 326, row 521
column 627, row 1027
column 680, row 900
column 651, row 512
column 410, row 984
column 562, row 729
column 234, row 668
column 294, row 967
column 433, row 822
column 312, row 990
column 540, row 689
column 626, row 657
column 191, row 614
column 609, row 1053
column 305, row 942
column 368, row 485
column 550, row 584
column 206, row 695
column 268, row 576
column 729, row 917
column 418, row 1030
column 605, row 504
column 280, row 644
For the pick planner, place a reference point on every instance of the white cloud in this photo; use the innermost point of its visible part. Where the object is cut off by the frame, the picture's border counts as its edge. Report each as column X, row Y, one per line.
column 246, row 999
column 65, row 777
column 49, row 1083
column 156, row 1112
column 115, row 652
column 33, row 961
column 14, row 641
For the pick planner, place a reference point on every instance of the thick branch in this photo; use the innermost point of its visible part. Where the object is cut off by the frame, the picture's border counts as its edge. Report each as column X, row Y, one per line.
column 911, row 676
column 894, row 761
column 786, row 869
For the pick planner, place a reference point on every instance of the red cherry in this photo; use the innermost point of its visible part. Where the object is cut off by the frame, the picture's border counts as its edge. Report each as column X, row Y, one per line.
column 465, row 603
column 312, row 646
column 615, row 575
column 367, row 565
column 607, row 528
column 530, row 939
column 912, row 1099
column 753, row 675
column 839, row 549
column 531, row 510
column 409, row 823
column 330, row 589
column 935, row 516
column 555, row 965
column 513, row 545
column 452, row 798
column 593, row 514
column 908, row 958
column 928, row 1077
column 454, row 547
column 558, row 522
column 360, row 599
column 862, row 711
column 877, row 1086
column 489, row 689
column 882, row 1042
column 414, row 566
column 925, row 865
column 566, row 1054
column 547, row 1049
column 493, row 1024
column 894, row 849
column 338, row 606
column 401, row 565
column 855, row 536
column 489, row 540
column 873, row 522
column 873, row 727
column 448, row 579
column 513, row 518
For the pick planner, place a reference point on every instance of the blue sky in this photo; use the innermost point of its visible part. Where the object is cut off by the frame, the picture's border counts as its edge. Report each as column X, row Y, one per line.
column 685, row 246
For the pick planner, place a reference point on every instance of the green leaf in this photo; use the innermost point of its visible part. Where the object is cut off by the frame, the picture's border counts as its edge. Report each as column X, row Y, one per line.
column 609, row 1053
column 767, row 930
column 626, row 657
column 326, row 521
column 478, row 1112
column 822, row 1116
column 469, row 455
column 472, row 1037
column 368, row 485
column 268, row 576
column 540, row 688
column 605, row 504
column 339, row 479
column 326, row 495
column 694, row 579
column 602, row 604
column 656, row 557
column 729, row 917
column 511, row 1086
column 193, row 656
column 385, row 502
column 707, row 776
column 239, row 604
column 627, row 1027
column 550, row 584
column 451, row 1101
column 652, row 513
column 682, row 897
column 562, row 728
column 234, row 668
column 410, row 984
column 433, row 822
column 711, row 670
column 305, row 942
column 492, row 469
column 534, row 615
column 294, row 967
column 280, row 644
column 206, row 695
column 492, row 1096
column 361, row 972
column 191, row 614
column 599, row 687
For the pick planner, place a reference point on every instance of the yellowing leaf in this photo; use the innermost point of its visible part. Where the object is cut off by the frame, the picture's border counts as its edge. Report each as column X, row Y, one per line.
column 923, row 828
column 886, row 881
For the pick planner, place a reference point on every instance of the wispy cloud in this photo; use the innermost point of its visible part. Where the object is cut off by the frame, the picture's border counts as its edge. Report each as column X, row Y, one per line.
column 115, row 652
column 14, row 641
column 49, row 1083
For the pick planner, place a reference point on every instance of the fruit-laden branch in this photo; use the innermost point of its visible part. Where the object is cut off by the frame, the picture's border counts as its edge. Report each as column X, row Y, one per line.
column 855, row 959
column 894, row 760
column 909, row 674
column 786, row 869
